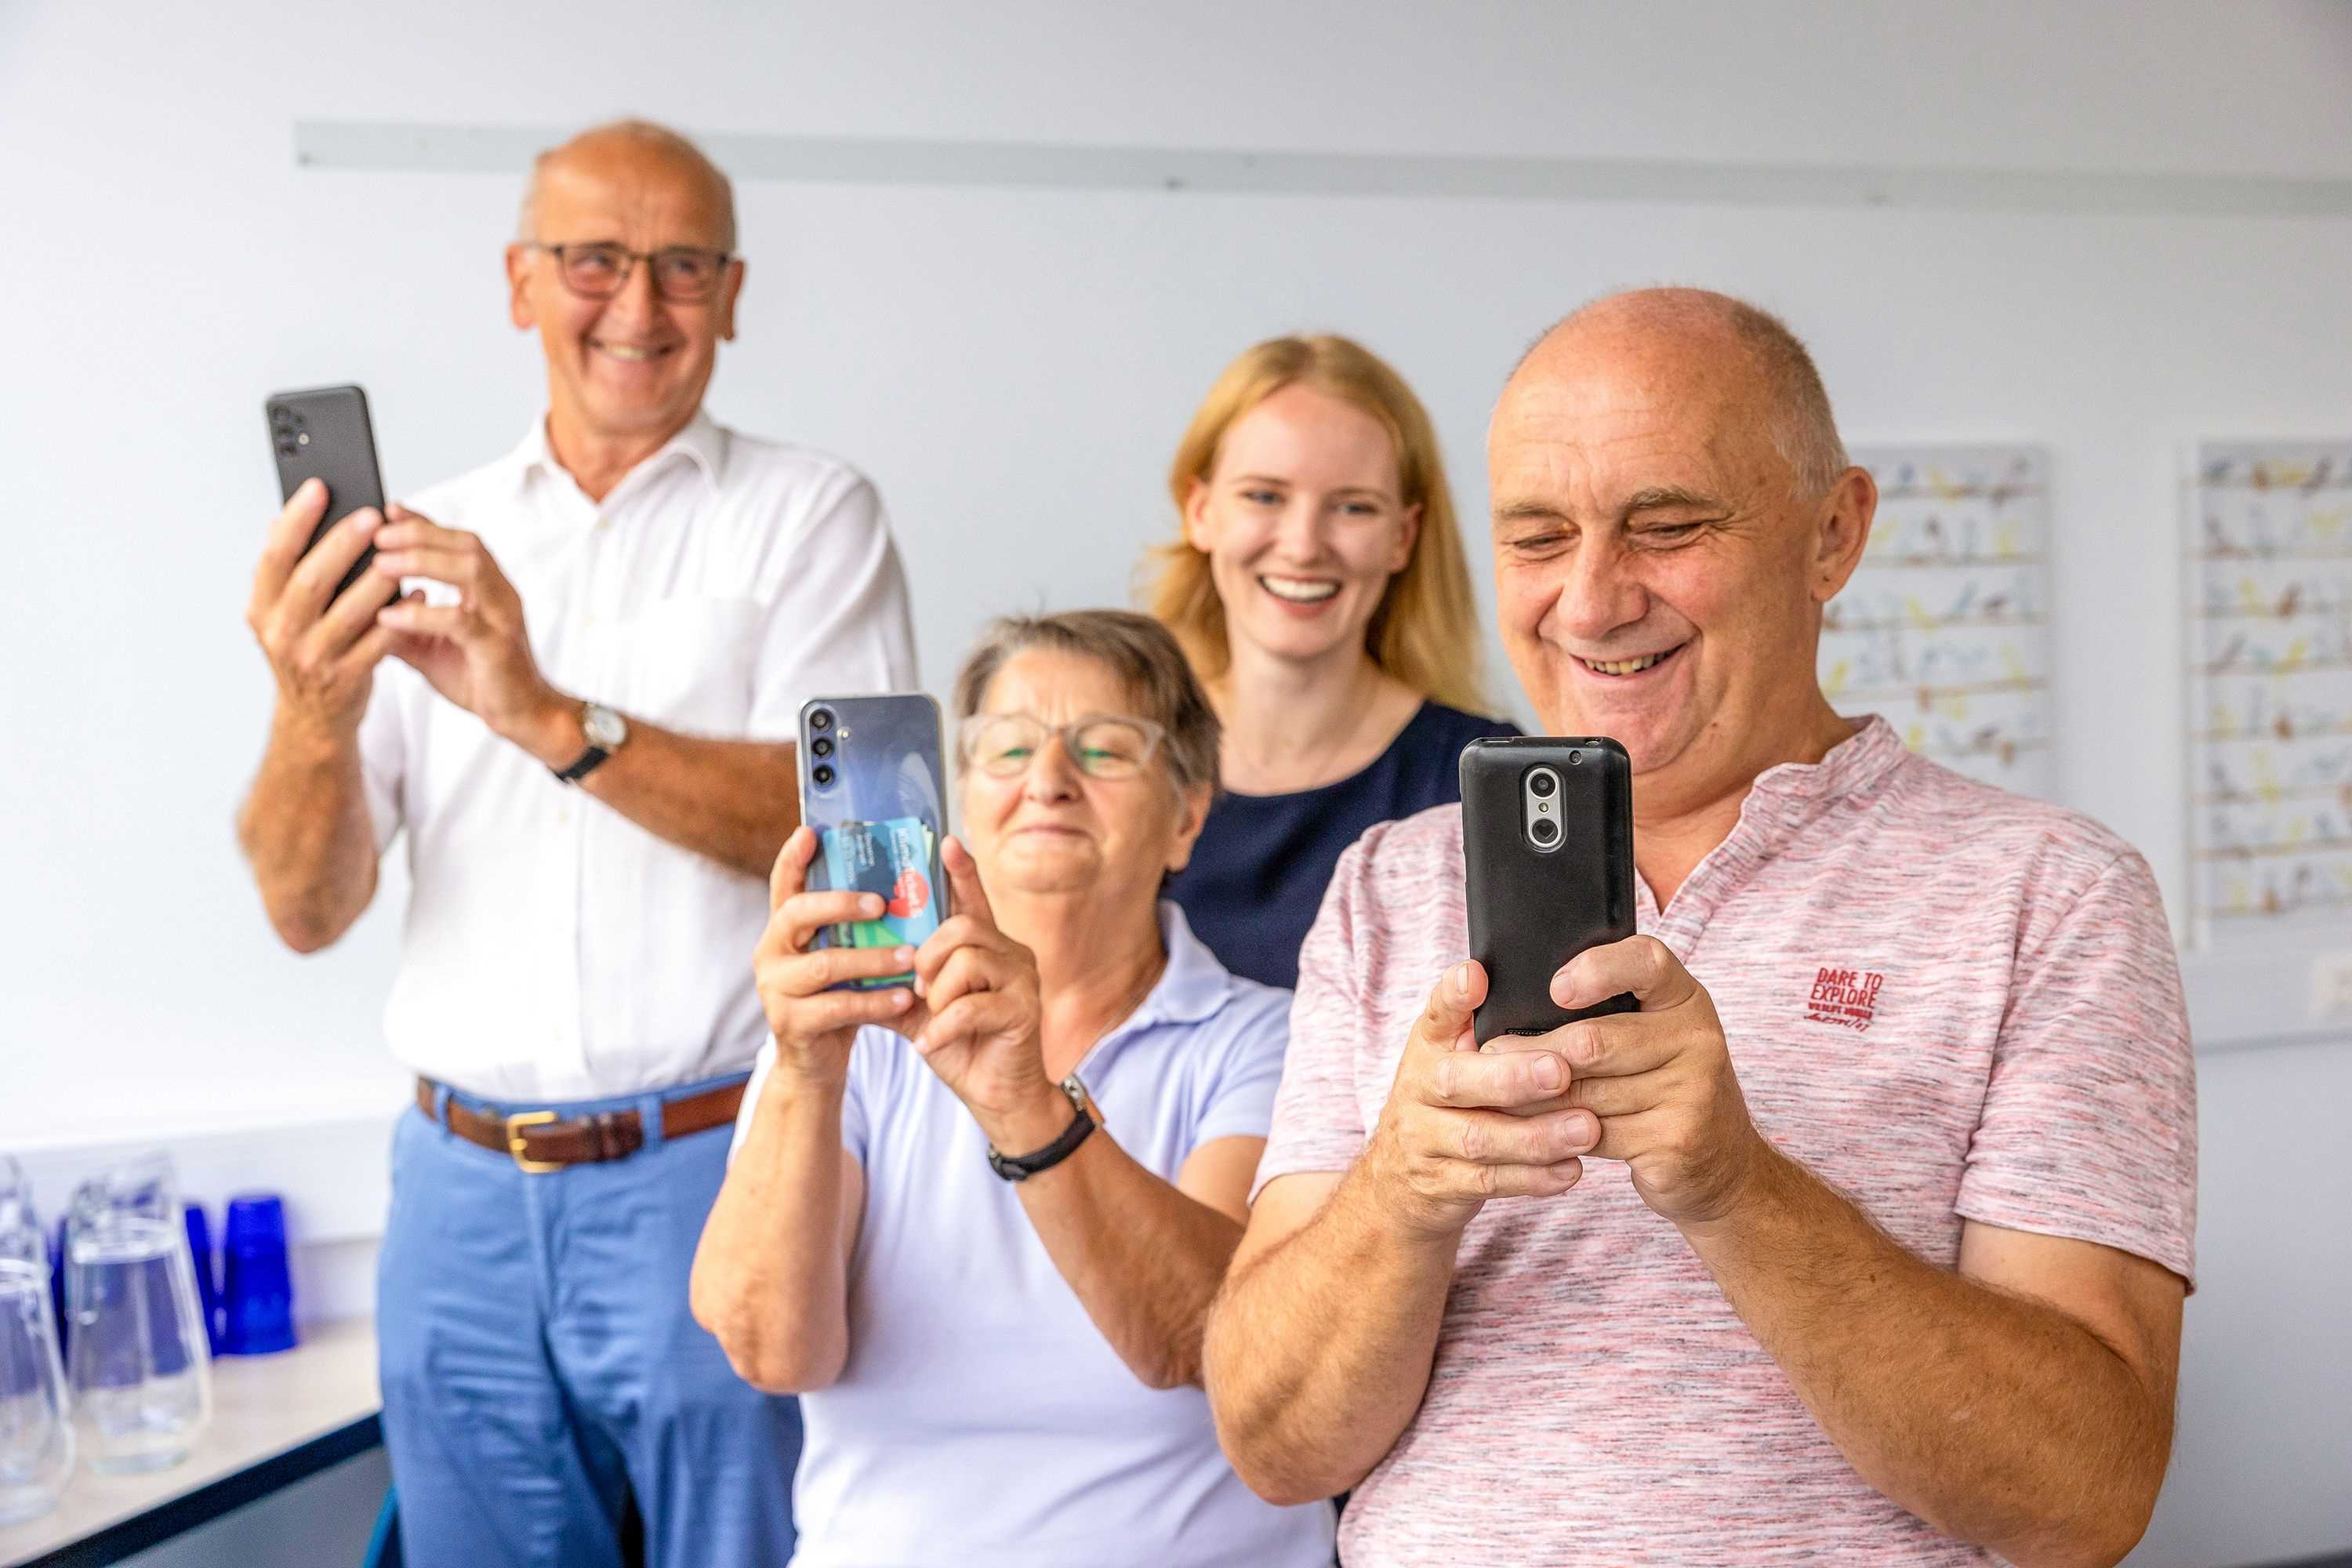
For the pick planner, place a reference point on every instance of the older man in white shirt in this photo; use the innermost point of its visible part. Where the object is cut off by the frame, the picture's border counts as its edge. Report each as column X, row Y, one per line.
column 590, row 802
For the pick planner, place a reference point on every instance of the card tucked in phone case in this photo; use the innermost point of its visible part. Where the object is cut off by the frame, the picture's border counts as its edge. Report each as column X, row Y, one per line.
column 893, row 859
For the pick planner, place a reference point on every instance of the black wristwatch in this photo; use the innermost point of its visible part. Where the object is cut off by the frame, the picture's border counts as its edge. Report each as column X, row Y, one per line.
column 605, row 731
column 1020, row 1168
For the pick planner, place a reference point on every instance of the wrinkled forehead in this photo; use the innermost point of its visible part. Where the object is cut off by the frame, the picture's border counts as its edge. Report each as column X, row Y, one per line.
column 1056, row 686
column 1619, row 415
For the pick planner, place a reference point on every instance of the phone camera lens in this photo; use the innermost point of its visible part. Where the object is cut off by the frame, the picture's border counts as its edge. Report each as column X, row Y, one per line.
column 823, row 774
column 822, row 746
column 821, row 720
column 1544, row 829
column 1574, row 758
column 1541, row 784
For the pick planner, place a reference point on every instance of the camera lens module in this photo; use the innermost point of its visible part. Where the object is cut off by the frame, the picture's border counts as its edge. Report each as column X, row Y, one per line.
column 821, row 720
column 823, row 774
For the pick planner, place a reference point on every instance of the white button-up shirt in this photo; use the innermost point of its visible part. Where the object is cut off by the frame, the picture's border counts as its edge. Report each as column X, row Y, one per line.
column 554, row 949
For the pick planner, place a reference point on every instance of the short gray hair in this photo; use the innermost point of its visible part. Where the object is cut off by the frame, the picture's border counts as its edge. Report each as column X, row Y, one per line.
column 644, row 133
column 1141, row 652
column 1803, row 431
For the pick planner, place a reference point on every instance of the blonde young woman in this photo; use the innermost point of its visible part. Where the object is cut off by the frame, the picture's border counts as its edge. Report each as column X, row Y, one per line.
column 1320, row 589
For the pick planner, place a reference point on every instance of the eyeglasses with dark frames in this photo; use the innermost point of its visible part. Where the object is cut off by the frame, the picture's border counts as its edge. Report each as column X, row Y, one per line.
column 599, row 269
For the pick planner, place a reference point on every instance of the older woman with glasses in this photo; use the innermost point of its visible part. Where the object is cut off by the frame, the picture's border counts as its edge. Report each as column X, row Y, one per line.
column 976, row 1222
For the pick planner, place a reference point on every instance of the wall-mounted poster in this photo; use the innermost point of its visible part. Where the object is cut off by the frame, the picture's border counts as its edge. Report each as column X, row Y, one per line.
column 2270, row 681
column 1944, row 628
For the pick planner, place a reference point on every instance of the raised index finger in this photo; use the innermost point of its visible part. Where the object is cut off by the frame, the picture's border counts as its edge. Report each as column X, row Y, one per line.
column 963, row 881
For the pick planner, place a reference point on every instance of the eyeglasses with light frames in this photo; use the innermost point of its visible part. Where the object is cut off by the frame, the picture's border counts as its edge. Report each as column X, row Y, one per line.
column 1103, row 745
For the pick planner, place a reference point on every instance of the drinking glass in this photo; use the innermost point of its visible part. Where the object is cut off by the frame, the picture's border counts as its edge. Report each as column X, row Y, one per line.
column 37, row 1441
column 139, row 1366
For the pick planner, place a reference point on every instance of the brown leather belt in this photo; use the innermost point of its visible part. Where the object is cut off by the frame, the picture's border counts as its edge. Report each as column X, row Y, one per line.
column 538, row 1141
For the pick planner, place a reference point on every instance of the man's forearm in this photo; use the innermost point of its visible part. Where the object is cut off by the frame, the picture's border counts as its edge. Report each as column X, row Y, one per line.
column 2000, row 1420
column 305, row 831
column 733, row 801
column 770, row 1277
column 1320, row 1348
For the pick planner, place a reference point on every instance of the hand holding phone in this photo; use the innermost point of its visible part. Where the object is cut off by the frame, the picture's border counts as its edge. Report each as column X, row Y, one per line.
column 813, row 1010
column 1548, row 863
column 314, row 606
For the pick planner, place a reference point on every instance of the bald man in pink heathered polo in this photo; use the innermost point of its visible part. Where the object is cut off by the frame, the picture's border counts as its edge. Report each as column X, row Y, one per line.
column 1865, row 1240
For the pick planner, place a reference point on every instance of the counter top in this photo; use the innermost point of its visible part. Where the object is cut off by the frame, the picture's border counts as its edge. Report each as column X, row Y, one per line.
column 276, row 1419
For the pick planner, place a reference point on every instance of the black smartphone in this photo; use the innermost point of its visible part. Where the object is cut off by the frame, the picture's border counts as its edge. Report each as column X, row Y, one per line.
column 873, row 787
column 323, row 434
column 1548, row 867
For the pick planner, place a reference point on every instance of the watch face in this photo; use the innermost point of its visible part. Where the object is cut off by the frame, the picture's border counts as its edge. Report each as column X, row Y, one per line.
column 603, row 727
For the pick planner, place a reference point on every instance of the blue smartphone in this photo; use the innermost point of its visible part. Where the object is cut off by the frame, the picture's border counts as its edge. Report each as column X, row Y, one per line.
column 873, row 786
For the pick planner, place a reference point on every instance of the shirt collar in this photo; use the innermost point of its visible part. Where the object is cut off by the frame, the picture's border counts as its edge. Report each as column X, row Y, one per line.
column 1193, row 986
column 703, row 442
column 1782, row 802
column 1192, row 989
column 1855, row 763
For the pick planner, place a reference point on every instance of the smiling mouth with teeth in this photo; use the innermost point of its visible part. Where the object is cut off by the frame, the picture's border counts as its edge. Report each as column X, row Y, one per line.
column 1300, row 590
column 1627, row 665
column 632, row 352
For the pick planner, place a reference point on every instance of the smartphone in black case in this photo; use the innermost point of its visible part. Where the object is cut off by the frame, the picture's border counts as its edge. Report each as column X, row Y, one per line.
column 1548, row 865
column 873, row 786
column 323, row 434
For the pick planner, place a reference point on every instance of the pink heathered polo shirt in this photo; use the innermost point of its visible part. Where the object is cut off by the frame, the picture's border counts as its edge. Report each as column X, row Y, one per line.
column 1950, row 1002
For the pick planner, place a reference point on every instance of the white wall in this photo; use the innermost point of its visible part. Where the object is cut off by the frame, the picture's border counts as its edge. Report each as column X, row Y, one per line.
column 1014, row 366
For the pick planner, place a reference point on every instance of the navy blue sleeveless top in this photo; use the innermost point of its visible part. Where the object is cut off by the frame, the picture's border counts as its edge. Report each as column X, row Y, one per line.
column 1258, row 875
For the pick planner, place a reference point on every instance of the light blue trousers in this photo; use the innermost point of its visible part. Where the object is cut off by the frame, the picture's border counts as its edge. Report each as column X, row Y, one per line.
column 540, row 1363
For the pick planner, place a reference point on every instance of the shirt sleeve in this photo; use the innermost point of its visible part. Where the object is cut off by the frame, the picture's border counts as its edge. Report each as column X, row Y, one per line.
column 852, row 1104
column 835, row 616
column 2089, row 1126
column 1317, row 1125
column 761, row 1066
column 1240, row 1100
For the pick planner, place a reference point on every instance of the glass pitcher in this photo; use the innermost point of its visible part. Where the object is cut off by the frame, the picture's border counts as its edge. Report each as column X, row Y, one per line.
column 136, row 1353
column 36, row 1436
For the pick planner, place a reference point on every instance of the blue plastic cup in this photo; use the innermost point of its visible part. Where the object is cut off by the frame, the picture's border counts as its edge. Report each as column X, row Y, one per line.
column 256, row 1294
column 208, row 1294
column 59, row 1316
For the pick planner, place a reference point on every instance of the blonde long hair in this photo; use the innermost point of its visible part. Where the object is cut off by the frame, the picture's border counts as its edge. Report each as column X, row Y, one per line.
column 1425, row 631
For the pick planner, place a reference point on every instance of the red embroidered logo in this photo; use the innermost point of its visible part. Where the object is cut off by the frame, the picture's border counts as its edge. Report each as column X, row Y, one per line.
column 1846, row 997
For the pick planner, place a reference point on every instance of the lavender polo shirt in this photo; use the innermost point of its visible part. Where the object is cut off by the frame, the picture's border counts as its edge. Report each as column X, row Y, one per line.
column 981, row 1419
